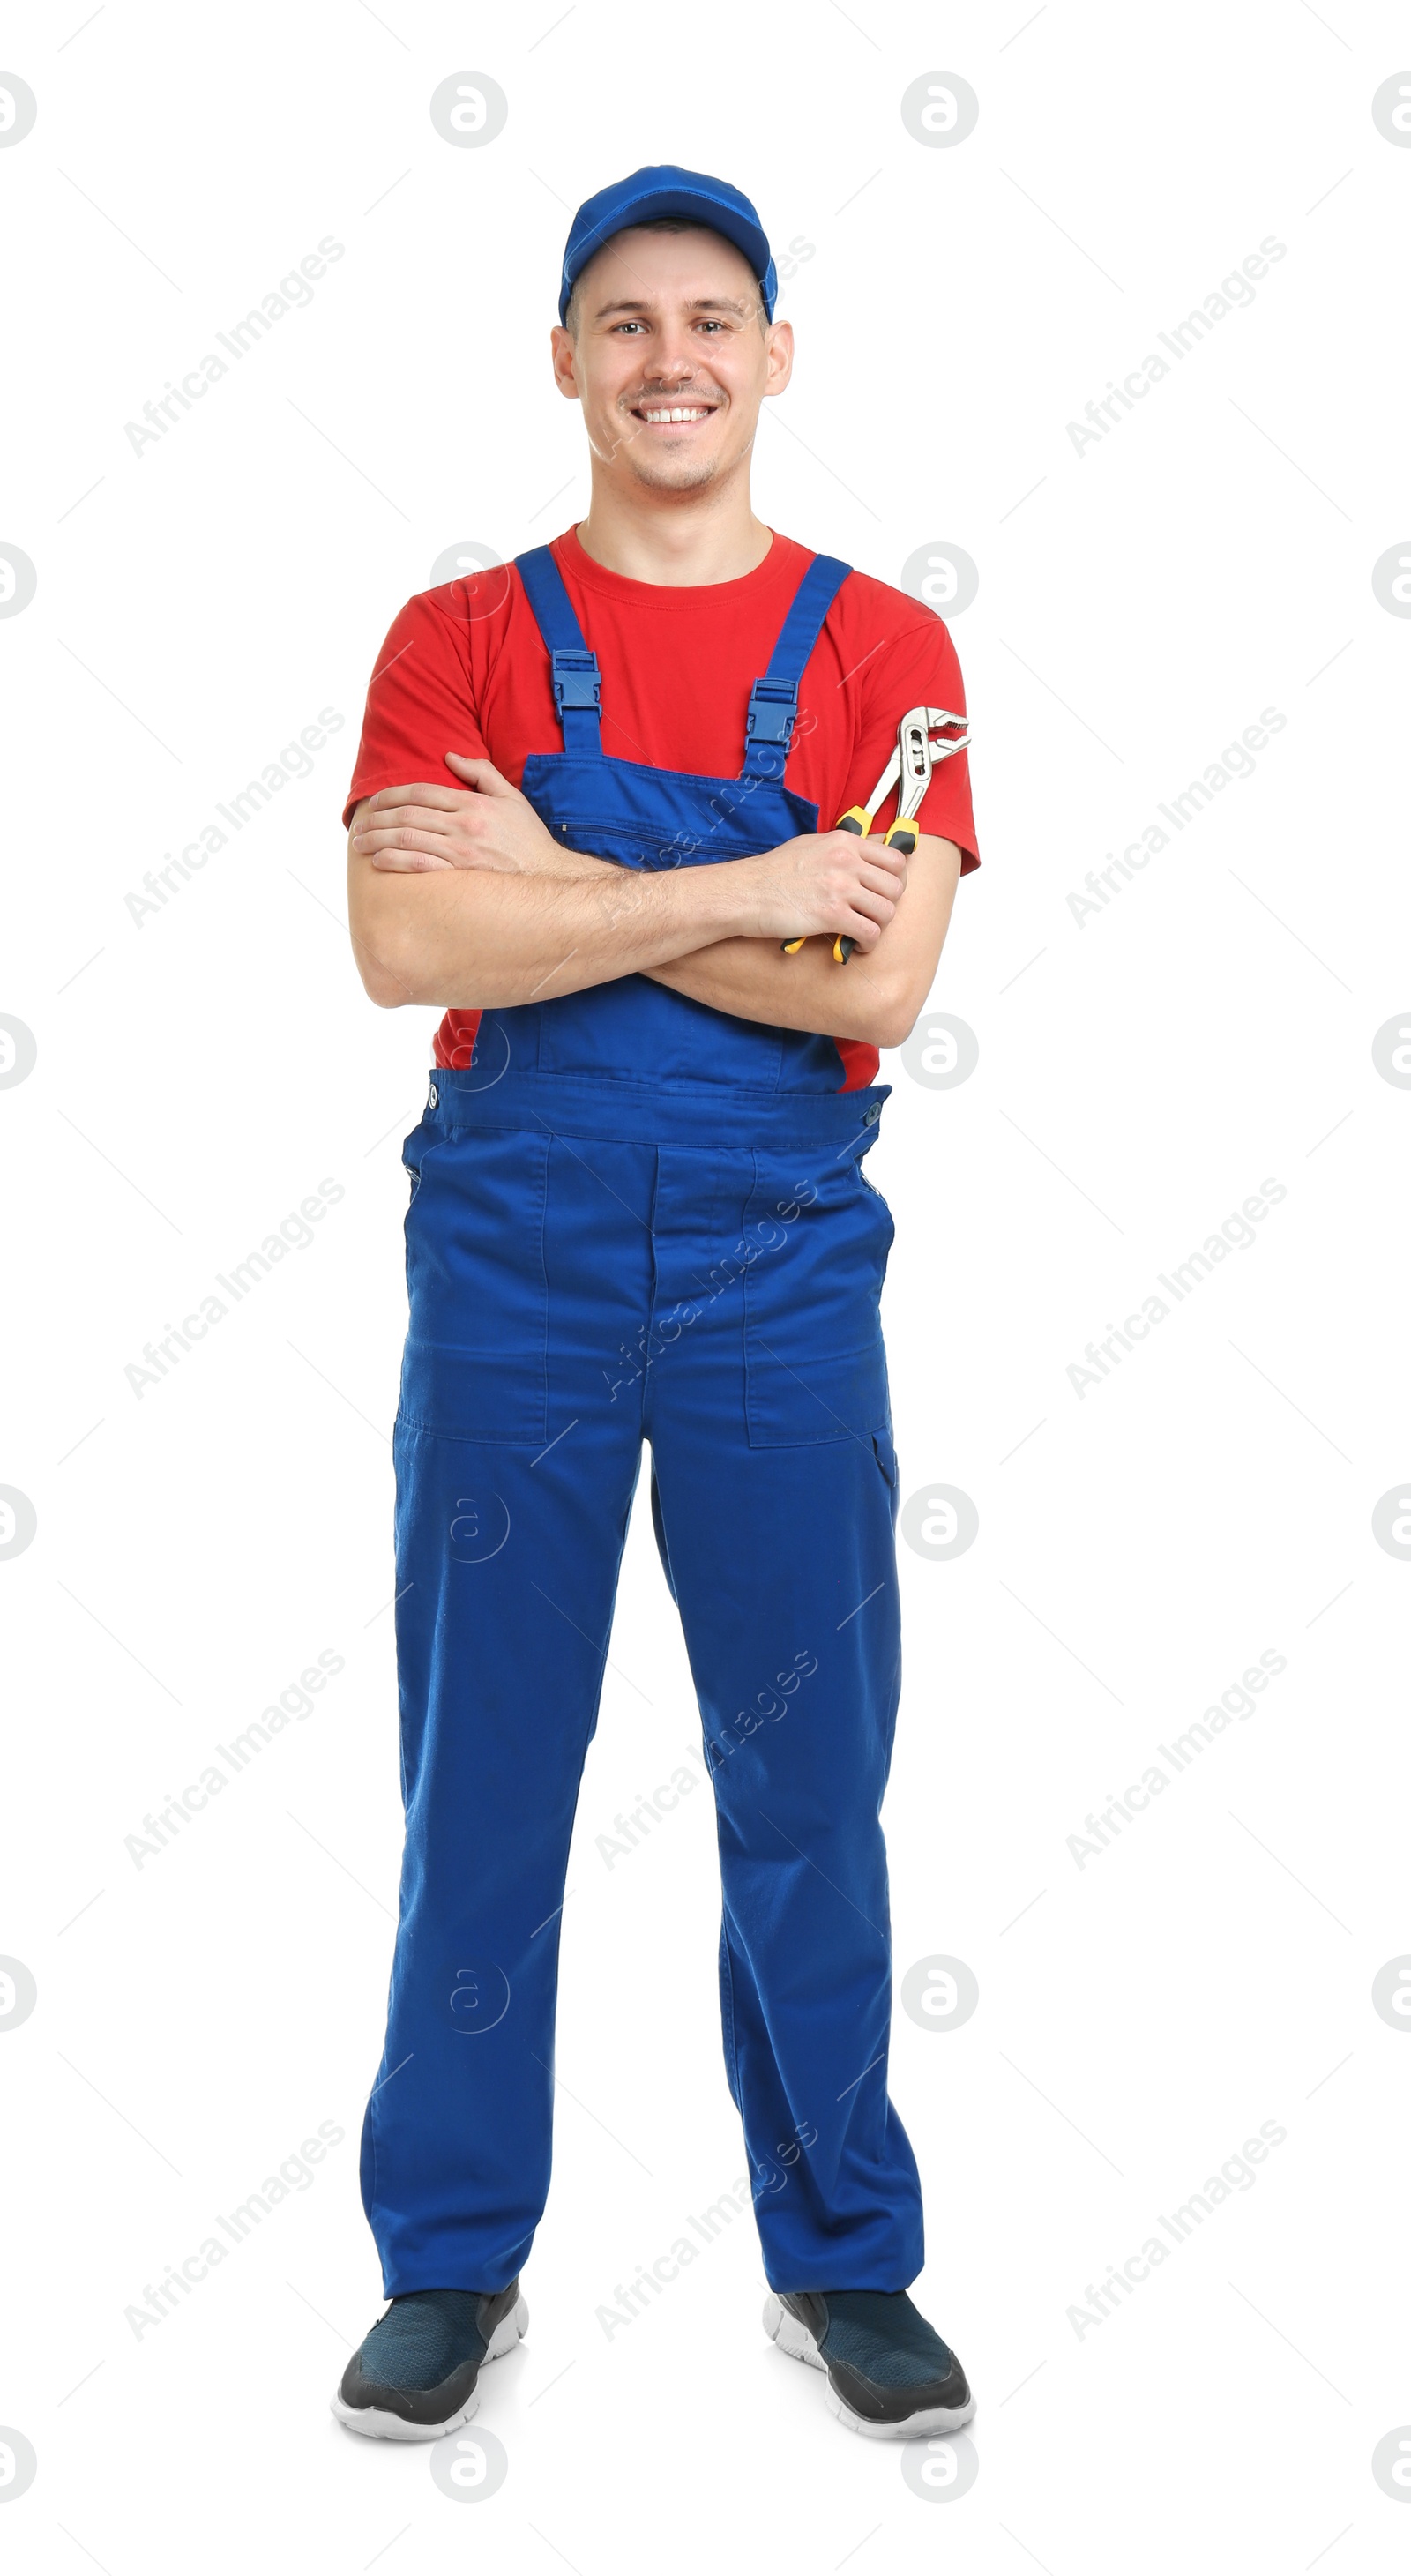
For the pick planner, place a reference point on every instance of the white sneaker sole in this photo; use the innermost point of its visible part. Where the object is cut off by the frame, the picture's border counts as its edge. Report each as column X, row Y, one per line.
column 795, row 2339
column 380, row 2426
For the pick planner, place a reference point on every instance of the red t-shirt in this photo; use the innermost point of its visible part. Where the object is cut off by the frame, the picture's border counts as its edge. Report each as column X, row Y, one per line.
column 464, row 669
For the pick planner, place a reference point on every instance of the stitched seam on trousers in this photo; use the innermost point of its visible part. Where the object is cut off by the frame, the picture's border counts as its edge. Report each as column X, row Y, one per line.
column 372, row 2135
column 730, row 1990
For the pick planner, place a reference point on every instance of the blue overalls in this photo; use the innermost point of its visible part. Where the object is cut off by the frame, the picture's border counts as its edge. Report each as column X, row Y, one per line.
column 634, row 1217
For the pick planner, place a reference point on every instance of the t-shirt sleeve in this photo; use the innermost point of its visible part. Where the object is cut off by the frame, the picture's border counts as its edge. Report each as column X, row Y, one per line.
column 918, row 668
column 420, row 705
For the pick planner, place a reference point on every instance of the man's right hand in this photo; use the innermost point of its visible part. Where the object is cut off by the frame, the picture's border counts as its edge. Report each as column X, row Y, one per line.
column 833, row 882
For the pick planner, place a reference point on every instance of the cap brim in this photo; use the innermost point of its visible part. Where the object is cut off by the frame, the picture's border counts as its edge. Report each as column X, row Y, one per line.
column 693, row 205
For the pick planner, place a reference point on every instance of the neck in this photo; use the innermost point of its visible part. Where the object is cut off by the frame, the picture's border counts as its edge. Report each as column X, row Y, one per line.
column 679, row 540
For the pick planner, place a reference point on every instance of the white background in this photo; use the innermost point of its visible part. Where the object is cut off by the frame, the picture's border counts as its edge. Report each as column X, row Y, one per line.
column 1139, row 1546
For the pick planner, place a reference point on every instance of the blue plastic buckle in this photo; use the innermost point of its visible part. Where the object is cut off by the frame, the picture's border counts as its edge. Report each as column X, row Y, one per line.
column 773, row 711
column 577, row 680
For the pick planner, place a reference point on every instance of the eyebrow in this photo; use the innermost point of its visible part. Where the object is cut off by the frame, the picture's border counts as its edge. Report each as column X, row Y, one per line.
column 698, row 304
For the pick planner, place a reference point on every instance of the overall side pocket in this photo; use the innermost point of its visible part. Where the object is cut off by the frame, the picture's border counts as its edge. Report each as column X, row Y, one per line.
column 815, row 1368
column 476, row 1360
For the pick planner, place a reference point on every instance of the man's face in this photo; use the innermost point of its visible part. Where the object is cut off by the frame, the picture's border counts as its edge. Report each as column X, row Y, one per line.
column 670, row 363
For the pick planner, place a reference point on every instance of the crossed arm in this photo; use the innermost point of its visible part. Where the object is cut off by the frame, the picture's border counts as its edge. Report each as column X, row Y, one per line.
column 460, row 896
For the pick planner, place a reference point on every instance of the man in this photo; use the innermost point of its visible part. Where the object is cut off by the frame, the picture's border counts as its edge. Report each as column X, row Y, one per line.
column 638, row 1212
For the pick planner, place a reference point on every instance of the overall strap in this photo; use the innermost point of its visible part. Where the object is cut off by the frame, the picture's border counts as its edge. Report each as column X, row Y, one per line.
column 577, row 680
column 774, row 700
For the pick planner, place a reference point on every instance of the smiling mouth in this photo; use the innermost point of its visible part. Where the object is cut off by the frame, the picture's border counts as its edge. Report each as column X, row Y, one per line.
column 672, row 415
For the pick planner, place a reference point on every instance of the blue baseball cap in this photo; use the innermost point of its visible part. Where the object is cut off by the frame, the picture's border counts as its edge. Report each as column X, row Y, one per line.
column 665, row 190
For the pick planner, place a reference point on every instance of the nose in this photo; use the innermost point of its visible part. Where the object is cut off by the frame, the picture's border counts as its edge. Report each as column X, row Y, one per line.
column 672, row 364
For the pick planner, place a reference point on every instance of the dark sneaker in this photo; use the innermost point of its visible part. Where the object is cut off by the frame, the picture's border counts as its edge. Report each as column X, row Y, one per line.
column 413, row 2377
column 888, row 2371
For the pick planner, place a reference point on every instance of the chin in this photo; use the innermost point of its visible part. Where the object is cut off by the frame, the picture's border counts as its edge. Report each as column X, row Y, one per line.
column 685, row 474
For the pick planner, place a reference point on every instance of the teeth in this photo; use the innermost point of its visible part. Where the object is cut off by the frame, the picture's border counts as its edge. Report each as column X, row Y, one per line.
column 675, row 415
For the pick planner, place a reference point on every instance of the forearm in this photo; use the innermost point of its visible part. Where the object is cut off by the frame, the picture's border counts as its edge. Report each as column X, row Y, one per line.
column 754, row 980
column 876, row 998
column 480, row 938
column 459, row 896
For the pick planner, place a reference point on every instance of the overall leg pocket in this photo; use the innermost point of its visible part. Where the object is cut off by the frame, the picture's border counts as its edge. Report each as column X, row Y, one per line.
column 815, row 1247
column 476, row 1360
column 885, row 1454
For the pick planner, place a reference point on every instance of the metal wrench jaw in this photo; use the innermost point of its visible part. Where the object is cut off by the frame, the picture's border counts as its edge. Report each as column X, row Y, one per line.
column 913, row 758
column 940, row 719
column 918, row 754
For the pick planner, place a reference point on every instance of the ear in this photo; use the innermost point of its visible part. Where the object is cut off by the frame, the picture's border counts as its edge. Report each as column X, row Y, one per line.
column 779, row 356
column 564, row 362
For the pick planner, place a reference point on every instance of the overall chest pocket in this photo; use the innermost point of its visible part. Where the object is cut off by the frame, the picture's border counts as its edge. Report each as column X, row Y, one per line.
column 633, row 1030
column 476, row 1360
column 816, row 1243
